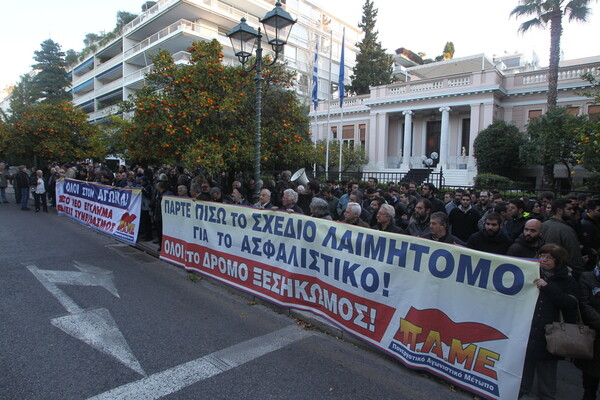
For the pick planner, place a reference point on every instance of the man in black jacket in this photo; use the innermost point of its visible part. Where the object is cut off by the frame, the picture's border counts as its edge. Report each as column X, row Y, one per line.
column 491, row 239
column 22, row 182
column 529, row 242
column 438, row 225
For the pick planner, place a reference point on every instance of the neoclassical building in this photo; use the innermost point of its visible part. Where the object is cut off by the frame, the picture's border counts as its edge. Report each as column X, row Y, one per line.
column 441, row 107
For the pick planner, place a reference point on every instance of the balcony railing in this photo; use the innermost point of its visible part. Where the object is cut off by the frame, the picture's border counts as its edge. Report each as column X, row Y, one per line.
column 155, row 9
column 563, row 74
column 179, row 58
column 182, row 24
column 214, row 4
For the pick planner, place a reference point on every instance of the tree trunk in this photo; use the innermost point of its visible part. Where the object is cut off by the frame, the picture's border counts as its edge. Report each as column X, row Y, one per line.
column 548, row 178
column 555, row 34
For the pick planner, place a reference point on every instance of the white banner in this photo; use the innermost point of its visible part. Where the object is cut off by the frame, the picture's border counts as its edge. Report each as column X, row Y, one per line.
column 110, row 210
column 460, row 314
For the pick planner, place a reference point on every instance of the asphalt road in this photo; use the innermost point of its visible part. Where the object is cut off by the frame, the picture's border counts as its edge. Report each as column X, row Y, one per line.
column 84, row 316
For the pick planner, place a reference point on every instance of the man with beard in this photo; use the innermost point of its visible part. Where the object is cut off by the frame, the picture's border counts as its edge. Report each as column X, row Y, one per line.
column 558, row 231
column 491, row 239
column 419, row 224
column 516, row 220
column 463, row 219
column 428, row 192
column 485, row 205
column 529, row 242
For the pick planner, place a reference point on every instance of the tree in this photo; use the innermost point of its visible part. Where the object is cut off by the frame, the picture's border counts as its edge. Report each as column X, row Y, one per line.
column 550, row 12
column 54, row 131
column 50, row 83
column 123, row 18
column 373, row 66
column 552, row 139
column 352, row 157
column 496, row 149
column 448, row 52
column 22, row 96
column 203, row 114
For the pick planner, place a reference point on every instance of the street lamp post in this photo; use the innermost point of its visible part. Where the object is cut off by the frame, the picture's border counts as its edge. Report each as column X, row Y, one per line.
column 277, row 24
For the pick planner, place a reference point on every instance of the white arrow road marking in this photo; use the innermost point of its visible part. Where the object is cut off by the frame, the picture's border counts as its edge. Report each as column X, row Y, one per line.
column 98, row 329
column 94, row 327
column 170, row 381
column 89, row 276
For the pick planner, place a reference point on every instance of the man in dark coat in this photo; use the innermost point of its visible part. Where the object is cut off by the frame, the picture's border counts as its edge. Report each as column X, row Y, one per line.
column 289, row 200
column 385, row 220
column 516, row 221
column 529, row 242
column 491, row 239
column 589, row 234
column 22, row 182
column 463, row 219
column 438, row 225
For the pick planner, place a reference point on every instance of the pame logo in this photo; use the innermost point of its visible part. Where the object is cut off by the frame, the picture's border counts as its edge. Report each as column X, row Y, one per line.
column 126, row 224
column 431, row 332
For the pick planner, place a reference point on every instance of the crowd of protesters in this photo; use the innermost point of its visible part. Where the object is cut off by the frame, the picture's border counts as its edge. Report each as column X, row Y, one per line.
column 563, row 233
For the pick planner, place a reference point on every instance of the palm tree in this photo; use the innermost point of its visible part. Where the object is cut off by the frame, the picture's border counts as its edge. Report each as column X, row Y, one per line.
column 550, row 12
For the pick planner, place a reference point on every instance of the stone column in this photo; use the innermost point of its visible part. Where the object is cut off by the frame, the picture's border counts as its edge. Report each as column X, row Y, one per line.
column 443, row 161
column 475, row 118
column 407, row 140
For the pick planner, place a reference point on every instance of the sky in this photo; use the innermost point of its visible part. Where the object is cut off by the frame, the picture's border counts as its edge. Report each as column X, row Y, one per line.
column 474, row 26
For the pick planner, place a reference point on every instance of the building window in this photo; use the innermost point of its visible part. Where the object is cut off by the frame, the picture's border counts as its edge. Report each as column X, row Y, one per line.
column 573, row 110
column 334, row 132
column 594, row 112
column 362, row 129
column 533, row 114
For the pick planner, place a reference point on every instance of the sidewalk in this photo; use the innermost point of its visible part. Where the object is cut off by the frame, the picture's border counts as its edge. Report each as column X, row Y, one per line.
column 568, row 376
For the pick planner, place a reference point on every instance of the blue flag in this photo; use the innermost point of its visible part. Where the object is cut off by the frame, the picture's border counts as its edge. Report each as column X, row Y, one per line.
column 315, row 78
column 341, row 80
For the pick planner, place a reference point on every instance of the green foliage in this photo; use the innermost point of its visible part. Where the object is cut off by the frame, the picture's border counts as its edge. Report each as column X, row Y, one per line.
column 552, row 139
column 588, row 145
column 448, row 52
column 53, row 132
column 51, row 81
column 491, row 181
column 203, row 115
column 496, row 149
column 352, row 157
column 373, row 66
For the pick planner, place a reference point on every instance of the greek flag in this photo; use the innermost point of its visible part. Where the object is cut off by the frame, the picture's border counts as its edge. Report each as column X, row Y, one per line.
column 315, row 78
column 341, row 80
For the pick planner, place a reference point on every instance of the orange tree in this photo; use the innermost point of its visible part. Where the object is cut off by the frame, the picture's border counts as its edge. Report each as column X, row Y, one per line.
column 202, row 114
column 53, row 132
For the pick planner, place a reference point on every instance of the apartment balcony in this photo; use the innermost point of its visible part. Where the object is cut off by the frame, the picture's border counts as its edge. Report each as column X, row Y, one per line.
column 167, row 12
column 135, row 79
column 109, row 66
column 103, row 113
column 173, row 38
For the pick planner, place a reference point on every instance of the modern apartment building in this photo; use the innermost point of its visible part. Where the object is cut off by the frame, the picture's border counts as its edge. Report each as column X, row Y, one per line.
column 441, row 107
column 117, row 69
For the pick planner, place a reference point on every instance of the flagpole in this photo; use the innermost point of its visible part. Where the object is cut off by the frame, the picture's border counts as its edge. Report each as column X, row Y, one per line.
column 315, row 96
column 328, row 106
column 341, row 90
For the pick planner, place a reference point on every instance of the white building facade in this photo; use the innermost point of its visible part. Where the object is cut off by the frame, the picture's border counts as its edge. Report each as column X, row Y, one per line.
column 117, row 69
column 441, row 107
